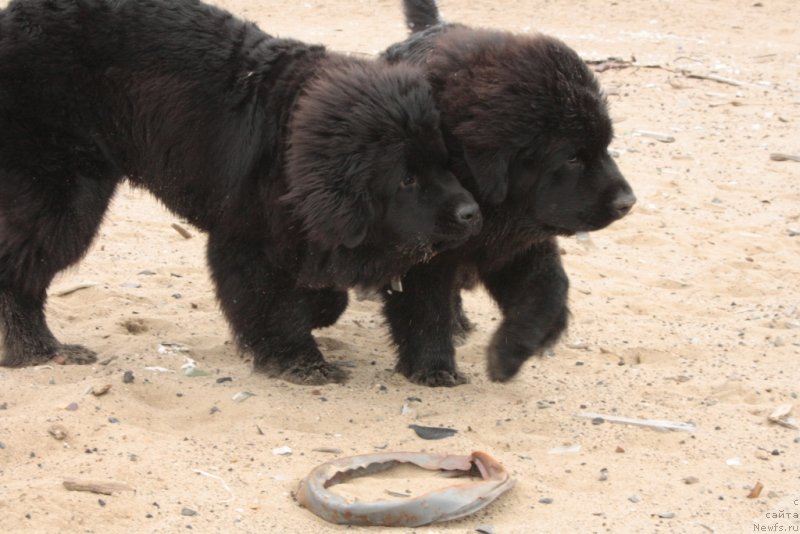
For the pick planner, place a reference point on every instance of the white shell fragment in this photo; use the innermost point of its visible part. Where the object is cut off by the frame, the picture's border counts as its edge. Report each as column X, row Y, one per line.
column 242, row 396
column 658, row 136
column 165, row 347
column 657, row 424
column 190, row 369
column 444, row 504
column 780, row 416
column 566, row 449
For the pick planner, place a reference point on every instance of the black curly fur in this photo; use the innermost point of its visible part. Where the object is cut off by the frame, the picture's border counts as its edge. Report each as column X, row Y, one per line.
column 310, row 171
column 527, row 128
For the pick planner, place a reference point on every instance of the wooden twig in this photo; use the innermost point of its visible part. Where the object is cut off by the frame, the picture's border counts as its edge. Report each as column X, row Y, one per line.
column 777, row 156
column 63, row 292
column 103, row 488
column 601, row 65
column 181, row 230
column 713, row 78
column 658, row 424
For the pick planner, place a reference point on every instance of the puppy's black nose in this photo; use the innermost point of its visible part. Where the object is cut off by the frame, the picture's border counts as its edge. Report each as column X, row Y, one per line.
column 623, row 204
column 468, row 213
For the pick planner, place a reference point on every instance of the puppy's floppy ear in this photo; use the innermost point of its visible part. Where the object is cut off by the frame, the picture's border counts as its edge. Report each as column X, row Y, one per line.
column 490, row 170
column 331, row 216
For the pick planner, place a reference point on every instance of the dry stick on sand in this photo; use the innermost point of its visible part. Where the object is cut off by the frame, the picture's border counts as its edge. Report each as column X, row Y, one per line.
column 777, row 156
column 601, row 65
column 181, row 230
column 657, row 424
column 63, row 292
column 103, row 488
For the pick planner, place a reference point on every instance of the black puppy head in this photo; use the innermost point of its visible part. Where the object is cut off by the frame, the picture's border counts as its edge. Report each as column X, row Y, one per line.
column 533, row 126
column 367, row 165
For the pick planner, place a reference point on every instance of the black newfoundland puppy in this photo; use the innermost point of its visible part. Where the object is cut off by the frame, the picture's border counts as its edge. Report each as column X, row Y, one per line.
column 310, row 171
column 527, row 130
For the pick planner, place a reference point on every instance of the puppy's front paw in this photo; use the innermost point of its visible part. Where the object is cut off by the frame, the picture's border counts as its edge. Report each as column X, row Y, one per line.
column 74, row 355
column 501, row 365
column 438, row 378
column 314, row 374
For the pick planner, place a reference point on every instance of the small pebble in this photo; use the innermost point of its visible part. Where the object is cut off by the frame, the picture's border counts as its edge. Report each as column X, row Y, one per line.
column 603, row 474
column 130, row 285
column 578, row 345
column 146, row 273
column 546, row 500
column 634, row 499
column 213, row 410
column 242, row 396
column 100, row 391
column 72, row 406
column 797, row 439
column 598, row 421
column 127, row 378
column 223, row 379
column 4, row 406
column 282, row 451
column 329, row 450
column 775, row 452
column 101, row 502
column 619, row 450
column 691, row 480
column 666, row 515
column 59, row 432
column 188, row 512
column 429, row 432
column 113, row 420
column 485, row 529
column 2, row 445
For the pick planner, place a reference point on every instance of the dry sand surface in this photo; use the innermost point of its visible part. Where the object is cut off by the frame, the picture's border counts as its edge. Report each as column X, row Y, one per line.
column 687, row 310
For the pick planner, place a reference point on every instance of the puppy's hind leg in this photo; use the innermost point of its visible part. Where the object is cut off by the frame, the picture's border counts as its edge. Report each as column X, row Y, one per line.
column 46, row 224
column 269, row 316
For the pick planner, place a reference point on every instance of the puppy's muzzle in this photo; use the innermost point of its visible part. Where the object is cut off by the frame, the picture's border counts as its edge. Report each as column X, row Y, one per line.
column 622, row 204
column 467, row 214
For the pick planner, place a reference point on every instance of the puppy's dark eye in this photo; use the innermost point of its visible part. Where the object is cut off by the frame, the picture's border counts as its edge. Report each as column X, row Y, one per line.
column 573, row 159
column 409, row 180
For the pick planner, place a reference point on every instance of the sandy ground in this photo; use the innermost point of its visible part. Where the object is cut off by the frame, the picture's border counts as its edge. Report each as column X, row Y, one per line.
column 687, row 310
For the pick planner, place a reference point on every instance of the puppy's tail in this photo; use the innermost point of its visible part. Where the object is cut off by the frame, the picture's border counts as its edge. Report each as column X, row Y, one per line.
column 421, row 14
